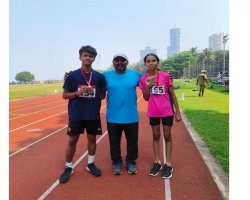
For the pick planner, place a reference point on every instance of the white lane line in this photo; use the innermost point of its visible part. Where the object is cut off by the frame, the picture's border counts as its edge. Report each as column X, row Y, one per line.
column 27, row 98
column 24, row 115
column 53, row 186
column 36, row 121
column 166, row 181
column 56, row 183
column 42, row 120
column 41, row 139
column 13, row 105
column 35, row 106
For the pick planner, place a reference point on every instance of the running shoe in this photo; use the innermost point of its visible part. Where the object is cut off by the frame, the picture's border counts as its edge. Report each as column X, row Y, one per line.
column 65, row 175
column 132, row 169
column 155, row 169
column 167, row 171
column 93, row 169
column 117, row 168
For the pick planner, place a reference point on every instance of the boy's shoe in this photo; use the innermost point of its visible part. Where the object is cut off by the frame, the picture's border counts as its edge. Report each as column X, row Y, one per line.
column 167, row 171
column 155, row 169
column 132, row 169
column 93, row 169
column 65, row 175
column 117, row 168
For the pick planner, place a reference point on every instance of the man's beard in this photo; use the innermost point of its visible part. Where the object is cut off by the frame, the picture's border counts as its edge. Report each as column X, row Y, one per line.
column 120, row 67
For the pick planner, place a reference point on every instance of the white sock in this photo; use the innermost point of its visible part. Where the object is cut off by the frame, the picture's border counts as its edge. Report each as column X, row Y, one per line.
column 91, row 159
column 168, row 164
column 69, row 164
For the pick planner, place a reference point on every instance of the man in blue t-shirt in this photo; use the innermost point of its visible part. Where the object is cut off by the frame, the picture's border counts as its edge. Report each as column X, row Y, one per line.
column 84, row 88
column 122, row 113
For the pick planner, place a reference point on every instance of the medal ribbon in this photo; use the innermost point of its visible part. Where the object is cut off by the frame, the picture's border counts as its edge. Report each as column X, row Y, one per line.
column 90, row 77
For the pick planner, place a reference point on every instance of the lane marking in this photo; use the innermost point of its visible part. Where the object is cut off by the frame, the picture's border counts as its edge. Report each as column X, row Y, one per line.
column 36, row 122
column 56, row 183
column 166, row 180
column 41, row 139
column 42, row 120
column 34, row 106
column 24, row 115
column 14, row 105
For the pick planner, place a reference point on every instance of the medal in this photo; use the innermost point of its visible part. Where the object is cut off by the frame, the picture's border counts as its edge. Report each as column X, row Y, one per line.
column 152, row 81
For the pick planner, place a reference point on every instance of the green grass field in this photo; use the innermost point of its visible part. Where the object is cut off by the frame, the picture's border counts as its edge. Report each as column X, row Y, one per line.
column 209, row 115
column 21, row 91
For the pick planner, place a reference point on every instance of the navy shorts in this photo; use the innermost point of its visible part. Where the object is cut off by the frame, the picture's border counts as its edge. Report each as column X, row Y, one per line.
column 77, row 127
column 167, row 121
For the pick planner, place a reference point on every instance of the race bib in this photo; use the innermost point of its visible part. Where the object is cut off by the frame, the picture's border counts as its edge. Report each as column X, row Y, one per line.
column 157, row 89
column 90, row 94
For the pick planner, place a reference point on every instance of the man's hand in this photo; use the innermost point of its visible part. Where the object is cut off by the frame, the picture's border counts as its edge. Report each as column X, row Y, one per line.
column 66, row 75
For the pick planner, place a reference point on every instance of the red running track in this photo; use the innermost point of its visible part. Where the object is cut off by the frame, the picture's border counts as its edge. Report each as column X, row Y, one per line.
column 37, row 155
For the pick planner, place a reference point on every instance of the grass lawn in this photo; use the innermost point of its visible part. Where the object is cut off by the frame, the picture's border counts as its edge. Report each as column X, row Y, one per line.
column 20, row 91
column 209, row 115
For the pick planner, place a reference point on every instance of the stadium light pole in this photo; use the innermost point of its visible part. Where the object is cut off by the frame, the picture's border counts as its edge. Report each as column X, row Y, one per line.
column 225, row 39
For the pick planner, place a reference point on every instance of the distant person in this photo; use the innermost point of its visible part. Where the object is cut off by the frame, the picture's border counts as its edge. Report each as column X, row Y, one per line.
column 219, row 79
column 85, row 88
column 201, row 81
column 122, row 113
column 158, row 90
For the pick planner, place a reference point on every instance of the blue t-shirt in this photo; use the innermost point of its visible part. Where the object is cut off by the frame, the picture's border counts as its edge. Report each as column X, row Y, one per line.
column 121, row 97
column 85, row 108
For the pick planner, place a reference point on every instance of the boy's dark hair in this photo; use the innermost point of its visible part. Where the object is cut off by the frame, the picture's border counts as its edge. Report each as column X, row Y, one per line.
column 151, row 54
column 89, row 49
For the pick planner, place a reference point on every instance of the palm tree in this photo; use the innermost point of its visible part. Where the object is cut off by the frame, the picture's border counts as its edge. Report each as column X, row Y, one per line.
column 194, row 53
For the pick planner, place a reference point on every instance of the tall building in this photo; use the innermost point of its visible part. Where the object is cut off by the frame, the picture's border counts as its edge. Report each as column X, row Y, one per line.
column 148, row 50
column 174, row 47
column 216, row 41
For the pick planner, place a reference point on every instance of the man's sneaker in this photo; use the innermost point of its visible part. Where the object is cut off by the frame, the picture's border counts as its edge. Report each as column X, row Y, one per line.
column 93, row 169
column 167, row 171
column 117, row 168
column 132, row 169
column 155, row 169
column 65, row 175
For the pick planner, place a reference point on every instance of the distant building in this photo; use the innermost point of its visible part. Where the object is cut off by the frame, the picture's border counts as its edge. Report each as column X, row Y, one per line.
column 216, row 41
column 148, row 50
column 174, row 47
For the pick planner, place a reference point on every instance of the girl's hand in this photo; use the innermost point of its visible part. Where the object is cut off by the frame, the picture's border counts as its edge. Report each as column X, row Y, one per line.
column 177, row 117
column 150, row 81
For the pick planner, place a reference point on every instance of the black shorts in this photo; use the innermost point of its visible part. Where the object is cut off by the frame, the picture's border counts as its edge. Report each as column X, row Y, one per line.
column 77, row 127
column 167, row 121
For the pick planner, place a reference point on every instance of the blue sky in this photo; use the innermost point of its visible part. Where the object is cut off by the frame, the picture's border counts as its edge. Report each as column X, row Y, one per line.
column 45, row 35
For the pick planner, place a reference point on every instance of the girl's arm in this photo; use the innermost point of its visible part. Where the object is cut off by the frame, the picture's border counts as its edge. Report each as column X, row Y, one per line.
column 146, row 92
column 176, row 105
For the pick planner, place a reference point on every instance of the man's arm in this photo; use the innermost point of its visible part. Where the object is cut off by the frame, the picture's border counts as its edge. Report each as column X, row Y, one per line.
column 103, row 95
